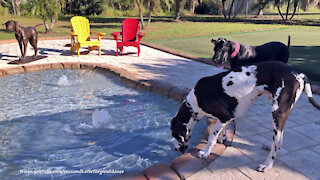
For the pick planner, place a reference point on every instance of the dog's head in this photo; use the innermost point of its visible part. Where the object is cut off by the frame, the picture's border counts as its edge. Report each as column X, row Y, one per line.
column 11, row 25
column 221, row 51
column 179, row 129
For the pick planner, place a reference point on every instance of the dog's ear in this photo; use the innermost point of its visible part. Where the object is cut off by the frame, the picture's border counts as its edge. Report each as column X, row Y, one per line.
column 214, row 41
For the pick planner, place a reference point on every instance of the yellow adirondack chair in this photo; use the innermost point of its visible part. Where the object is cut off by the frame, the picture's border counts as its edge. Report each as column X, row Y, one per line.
column 80, row 35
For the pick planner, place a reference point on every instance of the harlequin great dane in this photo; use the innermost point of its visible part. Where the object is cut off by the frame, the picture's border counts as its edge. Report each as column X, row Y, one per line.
column 228, row 95
column 243, row 55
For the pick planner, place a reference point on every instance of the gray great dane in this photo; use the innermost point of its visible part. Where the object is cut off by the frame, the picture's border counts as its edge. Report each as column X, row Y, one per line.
column 243, row 55
column 227, row 95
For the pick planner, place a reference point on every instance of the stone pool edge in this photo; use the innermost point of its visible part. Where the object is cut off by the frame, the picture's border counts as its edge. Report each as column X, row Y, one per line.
column 183, row 166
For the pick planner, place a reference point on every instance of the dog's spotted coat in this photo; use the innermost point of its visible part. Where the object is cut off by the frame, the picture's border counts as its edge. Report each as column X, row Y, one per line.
column 228, row 95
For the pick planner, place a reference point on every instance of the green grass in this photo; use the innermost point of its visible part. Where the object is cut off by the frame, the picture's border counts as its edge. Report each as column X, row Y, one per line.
column 304, row 50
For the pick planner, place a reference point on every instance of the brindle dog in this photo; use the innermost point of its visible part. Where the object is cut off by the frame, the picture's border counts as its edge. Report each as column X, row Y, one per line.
column 23, row 35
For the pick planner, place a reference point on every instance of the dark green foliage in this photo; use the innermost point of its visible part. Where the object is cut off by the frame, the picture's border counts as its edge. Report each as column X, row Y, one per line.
column 84, row 7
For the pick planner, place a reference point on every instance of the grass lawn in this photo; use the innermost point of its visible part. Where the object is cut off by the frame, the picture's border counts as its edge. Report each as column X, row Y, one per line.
column 304, row 49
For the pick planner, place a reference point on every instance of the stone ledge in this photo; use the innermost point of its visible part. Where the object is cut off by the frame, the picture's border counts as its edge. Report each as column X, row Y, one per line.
column 129, row 176
column 160, row 172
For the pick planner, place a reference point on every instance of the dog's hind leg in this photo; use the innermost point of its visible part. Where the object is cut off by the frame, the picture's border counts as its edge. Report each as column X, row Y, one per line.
column 33, row 42
column 212, row 140
column 280, row 116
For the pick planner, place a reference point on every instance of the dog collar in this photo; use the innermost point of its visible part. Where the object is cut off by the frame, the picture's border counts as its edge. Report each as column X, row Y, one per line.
column 236, row 50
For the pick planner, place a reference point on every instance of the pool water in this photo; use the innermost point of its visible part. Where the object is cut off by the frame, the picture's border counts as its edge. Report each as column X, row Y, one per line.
column 81, row 120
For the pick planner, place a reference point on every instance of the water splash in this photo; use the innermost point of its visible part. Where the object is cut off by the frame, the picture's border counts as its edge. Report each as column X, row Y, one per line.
column 63, row 81
column 100, row 118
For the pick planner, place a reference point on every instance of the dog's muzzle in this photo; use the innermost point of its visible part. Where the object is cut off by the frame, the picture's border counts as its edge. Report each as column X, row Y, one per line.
column 182, row 149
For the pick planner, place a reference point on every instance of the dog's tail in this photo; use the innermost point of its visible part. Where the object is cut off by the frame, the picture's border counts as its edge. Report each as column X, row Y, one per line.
column 37, row 25
column 289, row 40
column 308, row 91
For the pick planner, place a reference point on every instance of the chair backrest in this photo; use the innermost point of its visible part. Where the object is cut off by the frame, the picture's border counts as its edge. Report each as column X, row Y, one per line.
column 81, row 27
column 130, row 29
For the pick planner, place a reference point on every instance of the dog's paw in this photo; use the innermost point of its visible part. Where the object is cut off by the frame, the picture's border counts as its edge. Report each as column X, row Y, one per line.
column 263, row 168
column 221, row 139
column 266, row 147
column 203, row 154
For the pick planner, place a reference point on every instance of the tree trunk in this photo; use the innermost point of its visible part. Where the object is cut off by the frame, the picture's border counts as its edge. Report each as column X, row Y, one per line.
column 46, row 27
column 140, row 13
column 16, row 7
column 230, row 10
column 238, row 10
column 193, row 6
column 151, row 6
column 295, row 9
column 13, row 7
column 53, row 20
column 278, row 6
column 260, row 12
column 177, row 11
column 224, row 10
column 287, row 12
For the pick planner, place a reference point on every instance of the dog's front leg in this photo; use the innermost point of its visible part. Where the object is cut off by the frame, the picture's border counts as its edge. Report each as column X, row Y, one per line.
column 25, row 44
column 21, row 49
column 212, row 140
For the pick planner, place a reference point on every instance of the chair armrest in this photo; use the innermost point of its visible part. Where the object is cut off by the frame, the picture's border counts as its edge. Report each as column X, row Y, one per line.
column 140, row 35
column 98, row 33
column 72, row 34
column 115, row 35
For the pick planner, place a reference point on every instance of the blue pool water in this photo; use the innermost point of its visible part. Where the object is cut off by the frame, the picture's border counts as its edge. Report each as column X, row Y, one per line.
column 55, row 123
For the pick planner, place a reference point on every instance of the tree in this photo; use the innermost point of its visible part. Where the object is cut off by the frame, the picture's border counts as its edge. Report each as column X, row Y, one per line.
column 16, row 6
column 260, row 6
column 46, row 10
column 233, row 10
column 178, row 9
column 151, row 5
column 304, row 4
column 84, row 7
column 13, row 6
column 140, row 13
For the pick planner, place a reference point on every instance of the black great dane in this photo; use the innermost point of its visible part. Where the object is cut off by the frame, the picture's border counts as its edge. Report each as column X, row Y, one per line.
column 243, row 55
column 228, row 95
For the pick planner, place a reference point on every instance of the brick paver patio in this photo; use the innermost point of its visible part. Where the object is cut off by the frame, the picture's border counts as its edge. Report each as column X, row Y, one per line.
column 298, row 159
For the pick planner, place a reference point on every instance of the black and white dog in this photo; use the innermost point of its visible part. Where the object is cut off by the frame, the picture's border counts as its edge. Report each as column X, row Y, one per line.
column 243, row 55
column 228, row 95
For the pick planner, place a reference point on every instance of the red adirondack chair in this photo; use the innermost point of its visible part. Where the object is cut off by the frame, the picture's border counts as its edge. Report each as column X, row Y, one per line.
column 130, row 32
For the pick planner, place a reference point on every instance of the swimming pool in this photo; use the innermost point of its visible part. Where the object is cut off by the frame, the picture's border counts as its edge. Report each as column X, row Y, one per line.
column 48, row 123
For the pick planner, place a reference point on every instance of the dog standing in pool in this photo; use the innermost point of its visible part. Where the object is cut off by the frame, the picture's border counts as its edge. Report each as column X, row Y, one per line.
column 228, row 95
